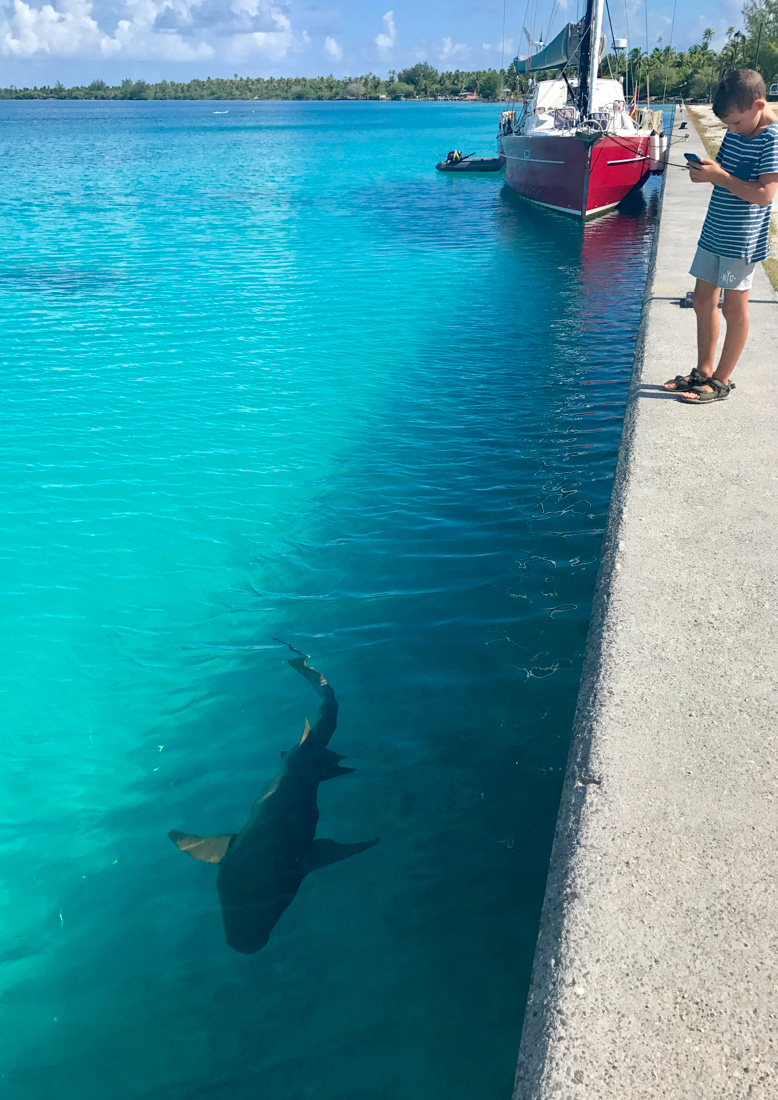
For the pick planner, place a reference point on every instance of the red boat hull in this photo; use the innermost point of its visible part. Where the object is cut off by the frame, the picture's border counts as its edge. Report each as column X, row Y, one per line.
column 568, row 174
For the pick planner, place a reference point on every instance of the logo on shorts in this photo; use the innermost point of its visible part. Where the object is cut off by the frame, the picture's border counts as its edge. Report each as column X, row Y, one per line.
column 728, row 278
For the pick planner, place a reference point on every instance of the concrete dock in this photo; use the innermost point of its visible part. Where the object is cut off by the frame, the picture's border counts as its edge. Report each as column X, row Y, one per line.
column 656, row 971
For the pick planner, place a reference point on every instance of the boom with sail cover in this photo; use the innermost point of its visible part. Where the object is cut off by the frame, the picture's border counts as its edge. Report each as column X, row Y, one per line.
column 562, row 50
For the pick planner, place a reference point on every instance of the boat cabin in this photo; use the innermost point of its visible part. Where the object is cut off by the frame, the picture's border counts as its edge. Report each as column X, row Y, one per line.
column 550, row 109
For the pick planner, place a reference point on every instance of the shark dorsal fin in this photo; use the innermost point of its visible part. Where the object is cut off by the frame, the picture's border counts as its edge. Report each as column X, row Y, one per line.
column 306, row 731
column 208, row 849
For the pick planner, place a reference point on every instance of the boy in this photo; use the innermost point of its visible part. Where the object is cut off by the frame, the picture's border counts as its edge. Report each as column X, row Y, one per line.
column 735, row 235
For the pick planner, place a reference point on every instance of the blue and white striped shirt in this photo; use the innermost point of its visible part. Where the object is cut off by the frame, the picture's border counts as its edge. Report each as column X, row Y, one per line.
column 734, row 227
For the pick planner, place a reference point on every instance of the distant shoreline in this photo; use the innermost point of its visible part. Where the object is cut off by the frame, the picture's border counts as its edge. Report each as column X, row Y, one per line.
column 235, row 99
column 420, row 82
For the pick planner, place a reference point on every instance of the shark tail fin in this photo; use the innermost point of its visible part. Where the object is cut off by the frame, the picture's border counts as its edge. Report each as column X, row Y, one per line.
column 324, row 852
column 312, row 675
column 208, row 849
column 293, row 648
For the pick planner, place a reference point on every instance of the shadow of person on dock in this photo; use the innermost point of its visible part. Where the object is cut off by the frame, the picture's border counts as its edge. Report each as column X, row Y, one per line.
column 675, row 298
column 646, row 389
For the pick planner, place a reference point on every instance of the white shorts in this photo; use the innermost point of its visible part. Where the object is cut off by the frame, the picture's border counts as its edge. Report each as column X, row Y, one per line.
column 724, row 271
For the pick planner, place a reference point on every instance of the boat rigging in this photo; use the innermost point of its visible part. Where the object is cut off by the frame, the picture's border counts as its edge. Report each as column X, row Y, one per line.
column 574, row 146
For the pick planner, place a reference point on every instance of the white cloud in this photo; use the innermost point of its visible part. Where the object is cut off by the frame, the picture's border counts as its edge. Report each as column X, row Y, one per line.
column 506, row 47
column 71, row 30
column 450, row 49
column 332, row 48
column 273, row 44
column 29, row 30
column 169, row 30
column 386, row 41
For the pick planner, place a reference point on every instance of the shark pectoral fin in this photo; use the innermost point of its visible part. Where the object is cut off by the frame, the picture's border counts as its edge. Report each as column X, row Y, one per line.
column 208, row 849
column 336, row 770
column 331, row 766
column 324, row 852
column 306, row 731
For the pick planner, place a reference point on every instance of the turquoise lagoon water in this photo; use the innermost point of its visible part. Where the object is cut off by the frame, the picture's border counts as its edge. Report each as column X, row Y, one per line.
column 265, row 373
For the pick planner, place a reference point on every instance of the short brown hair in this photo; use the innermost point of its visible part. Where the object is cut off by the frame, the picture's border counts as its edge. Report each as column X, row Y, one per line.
column 738, row 91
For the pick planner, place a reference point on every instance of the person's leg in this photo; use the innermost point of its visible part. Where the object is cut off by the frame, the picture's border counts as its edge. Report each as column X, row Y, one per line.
column 735, row 310
column 706, row 307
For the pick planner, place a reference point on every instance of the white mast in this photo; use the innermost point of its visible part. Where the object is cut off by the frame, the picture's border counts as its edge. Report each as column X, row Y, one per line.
column 594, row 64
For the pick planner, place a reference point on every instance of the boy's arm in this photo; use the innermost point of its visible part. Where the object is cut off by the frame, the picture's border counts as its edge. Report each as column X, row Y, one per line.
column 759, row 192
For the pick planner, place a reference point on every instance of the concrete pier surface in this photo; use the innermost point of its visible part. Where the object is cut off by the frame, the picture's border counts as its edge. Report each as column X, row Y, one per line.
column 656, row 972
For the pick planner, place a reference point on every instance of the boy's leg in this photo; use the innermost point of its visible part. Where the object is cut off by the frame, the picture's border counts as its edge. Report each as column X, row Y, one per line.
column 706, row 307
column 735, row 310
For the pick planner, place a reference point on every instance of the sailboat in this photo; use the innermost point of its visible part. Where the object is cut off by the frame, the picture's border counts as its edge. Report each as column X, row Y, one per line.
column 575, row 147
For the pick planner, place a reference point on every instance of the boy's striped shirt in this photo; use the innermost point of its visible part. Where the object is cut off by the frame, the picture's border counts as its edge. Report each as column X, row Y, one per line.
column 734, row 227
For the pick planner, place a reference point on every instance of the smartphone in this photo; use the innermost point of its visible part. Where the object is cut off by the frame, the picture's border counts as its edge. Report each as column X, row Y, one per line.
column 692, row 157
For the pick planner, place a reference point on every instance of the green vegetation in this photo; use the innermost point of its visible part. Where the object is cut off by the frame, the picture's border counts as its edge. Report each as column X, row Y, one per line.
column 664, row 71
column 695, row 73
column 419, row 82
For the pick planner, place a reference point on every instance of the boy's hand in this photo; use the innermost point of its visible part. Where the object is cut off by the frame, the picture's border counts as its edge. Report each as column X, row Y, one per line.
column 706, row 171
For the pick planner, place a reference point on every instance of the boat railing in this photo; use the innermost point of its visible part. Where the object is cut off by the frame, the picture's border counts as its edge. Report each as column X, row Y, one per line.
column 612, row 118
column 597, row 121
column 564, row 118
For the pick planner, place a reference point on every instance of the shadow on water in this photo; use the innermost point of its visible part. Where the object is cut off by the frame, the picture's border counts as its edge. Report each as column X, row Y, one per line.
column 61, row 280
column 634, row 205
column 484, row 550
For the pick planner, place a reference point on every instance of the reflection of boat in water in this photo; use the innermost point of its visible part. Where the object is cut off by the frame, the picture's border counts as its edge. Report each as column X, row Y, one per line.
column 455, row 162
column 575, row 147
column 603, row 253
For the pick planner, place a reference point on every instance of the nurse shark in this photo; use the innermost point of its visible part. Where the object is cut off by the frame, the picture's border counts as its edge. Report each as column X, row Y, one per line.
column 261, row 867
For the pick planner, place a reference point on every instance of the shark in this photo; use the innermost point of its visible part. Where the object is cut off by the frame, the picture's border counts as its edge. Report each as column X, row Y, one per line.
column 262, row 867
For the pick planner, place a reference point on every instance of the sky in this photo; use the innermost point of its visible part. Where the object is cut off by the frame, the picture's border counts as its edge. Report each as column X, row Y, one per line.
column 76, row 41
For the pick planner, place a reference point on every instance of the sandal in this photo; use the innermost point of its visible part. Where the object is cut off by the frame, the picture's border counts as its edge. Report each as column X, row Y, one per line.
column 681, row 383
column 719, row 393
column 684, row 383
